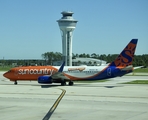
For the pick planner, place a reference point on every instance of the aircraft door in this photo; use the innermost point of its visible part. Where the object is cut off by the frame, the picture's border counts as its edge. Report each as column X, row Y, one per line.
column 16, row 72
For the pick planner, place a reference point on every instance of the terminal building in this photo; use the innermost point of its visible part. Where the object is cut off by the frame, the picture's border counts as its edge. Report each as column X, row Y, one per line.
column 88, row 62
column 83, row 61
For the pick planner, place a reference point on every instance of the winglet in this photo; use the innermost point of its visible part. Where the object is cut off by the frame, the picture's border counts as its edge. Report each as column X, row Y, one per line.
column 126, row 56
column 62, row 67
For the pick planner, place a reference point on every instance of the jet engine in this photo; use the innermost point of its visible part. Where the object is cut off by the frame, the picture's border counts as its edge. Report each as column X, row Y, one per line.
column 45, row 79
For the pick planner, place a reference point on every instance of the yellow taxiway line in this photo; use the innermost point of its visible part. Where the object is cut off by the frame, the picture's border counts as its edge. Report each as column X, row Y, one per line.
column 52, row 109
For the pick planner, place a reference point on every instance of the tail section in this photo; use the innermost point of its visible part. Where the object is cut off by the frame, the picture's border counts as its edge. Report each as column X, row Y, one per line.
column 61, row 67
column 126, row 56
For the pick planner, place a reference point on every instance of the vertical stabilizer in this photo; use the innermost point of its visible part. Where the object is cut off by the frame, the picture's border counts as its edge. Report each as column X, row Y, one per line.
column 126, row 56
column 61, row 67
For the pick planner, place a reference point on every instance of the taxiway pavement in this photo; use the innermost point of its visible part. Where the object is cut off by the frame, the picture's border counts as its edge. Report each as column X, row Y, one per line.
column 103, row 101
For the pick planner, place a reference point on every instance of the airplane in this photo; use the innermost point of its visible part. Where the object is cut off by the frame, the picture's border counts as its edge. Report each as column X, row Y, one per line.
column 61, row 74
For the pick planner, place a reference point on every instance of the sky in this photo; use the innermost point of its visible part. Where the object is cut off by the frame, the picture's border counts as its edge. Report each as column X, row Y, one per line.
column 29, row 28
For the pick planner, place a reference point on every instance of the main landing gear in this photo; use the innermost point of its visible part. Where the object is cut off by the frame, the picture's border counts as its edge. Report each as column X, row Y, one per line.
column 63, row 83
column 15, row 82
column 70, row 83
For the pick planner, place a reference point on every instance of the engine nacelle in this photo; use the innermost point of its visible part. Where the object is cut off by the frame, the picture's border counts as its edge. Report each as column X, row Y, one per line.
column 45, row 79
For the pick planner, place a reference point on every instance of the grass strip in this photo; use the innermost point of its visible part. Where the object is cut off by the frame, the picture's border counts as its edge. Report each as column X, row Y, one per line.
column 90, row 81
column 137, row 82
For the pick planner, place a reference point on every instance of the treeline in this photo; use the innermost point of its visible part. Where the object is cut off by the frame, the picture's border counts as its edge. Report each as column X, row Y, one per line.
column 139, row 60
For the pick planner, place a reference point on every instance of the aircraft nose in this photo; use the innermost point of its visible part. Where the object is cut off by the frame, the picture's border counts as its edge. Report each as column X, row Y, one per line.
column 6, row 75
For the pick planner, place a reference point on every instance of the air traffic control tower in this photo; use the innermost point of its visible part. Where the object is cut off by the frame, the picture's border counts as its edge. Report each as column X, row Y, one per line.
column 67, row 25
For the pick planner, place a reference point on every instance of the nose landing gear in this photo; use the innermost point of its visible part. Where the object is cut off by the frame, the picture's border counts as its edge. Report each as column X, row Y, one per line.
column 15, row 82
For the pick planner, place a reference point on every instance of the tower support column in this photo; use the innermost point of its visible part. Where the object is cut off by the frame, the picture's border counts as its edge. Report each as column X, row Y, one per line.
column 67, row 25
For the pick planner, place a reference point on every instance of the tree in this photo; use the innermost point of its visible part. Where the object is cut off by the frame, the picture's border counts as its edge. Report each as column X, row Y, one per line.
column 87, row 55
column 139, row 60
column 51, row 56
column 90, row 62
column 79, row 62
column 94, row 55
column 83, row 55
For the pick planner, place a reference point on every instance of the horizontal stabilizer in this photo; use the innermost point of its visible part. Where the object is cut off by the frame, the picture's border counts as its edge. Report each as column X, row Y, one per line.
column 130, row 67
column 138, row 67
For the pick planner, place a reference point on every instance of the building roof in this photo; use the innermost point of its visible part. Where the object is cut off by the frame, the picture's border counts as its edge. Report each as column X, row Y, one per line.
column 88, row 60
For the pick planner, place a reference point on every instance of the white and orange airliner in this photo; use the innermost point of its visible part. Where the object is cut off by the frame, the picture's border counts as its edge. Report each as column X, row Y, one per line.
column 61, row 74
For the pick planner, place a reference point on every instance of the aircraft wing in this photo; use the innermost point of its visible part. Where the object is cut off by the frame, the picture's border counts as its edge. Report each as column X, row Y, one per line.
column 59, row 75
column 130, row 67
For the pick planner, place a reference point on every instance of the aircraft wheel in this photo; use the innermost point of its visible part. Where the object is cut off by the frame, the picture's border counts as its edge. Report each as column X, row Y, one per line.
column 15, row 82
column 71, row 83
column 63, row 83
